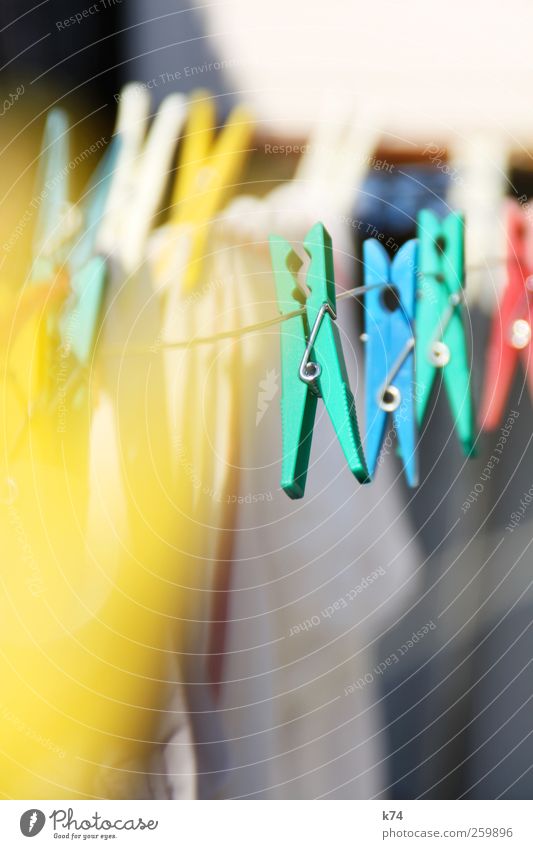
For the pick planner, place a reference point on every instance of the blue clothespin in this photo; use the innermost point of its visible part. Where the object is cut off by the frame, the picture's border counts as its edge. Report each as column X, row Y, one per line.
column 312, row 360
column 390, row 351
column 51, row 195
column 88, row 269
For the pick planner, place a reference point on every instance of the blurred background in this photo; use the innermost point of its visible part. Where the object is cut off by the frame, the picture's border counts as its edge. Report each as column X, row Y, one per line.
column 366, row 642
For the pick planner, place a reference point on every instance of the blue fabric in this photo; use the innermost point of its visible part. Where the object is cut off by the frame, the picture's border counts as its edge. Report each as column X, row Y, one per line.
column 389, row 200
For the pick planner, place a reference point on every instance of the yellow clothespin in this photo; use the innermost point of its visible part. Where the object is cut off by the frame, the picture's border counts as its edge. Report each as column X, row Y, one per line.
column 209, row 164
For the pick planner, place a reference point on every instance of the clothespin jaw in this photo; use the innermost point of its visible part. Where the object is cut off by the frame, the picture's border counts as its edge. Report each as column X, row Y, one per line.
column 312, row 360
column 510, row 337
column 440, row 336
column 390, row 356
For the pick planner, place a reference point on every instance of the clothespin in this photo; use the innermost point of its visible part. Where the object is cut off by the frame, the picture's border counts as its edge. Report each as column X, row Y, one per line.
column 30, row 353
column 480, row 163
column 510, row 338
column 328, row 176
column 440, row 335
column 131, row 123
column 390, row 351
column 335, row 162
column 56, row 220
column 208, row 167
column 312, row 360
column 87, row 266
column 141, row 173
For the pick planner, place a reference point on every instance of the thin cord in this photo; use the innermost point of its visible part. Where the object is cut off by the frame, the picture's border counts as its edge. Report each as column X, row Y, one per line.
column 263, row 325
column 243, row 331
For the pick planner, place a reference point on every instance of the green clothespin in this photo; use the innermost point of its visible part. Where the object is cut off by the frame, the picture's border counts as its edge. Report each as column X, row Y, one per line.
column 312, row 360
column 51, row 196
column 440, row 335
column 88, row 269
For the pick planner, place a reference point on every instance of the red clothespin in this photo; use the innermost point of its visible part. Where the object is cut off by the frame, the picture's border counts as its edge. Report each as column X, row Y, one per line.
column 510, row 337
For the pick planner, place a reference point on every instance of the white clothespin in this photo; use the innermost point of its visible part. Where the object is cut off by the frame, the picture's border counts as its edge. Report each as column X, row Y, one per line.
column 479, row 166
column 327, row 181
column 131, row 123
column 141, row 173
column 337, row 158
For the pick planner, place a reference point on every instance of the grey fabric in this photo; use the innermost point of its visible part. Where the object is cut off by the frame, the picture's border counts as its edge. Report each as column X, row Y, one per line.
column 459, row 689
column 296, row 725
column 169, row 50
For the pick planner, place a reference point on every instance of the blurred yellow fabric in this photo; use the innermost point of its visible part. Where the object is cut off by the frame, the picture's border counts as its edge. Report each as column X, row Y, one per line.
column 88, row 607
column 113, row 498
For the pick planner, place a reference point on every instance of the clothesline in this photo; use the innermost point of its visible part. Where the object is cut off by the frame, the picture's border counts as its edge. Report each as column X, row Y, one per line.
column 263, row 325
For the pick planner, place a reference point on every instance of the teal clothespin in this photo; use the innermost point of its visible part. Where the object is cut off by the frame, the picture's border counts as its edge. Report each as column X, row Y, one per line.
column 440, row 336
column 312, row 360
column 51, row 196
column 88, row 269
